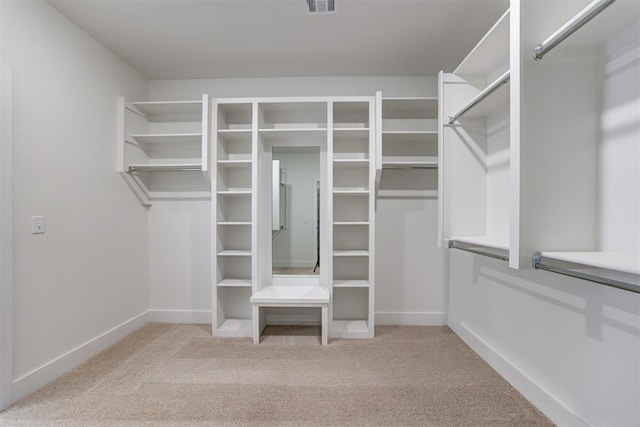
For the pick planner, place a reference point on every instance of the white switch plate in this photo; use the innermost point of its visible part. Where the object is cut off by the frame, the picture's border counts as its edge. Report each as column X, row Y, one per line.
column 37, row 225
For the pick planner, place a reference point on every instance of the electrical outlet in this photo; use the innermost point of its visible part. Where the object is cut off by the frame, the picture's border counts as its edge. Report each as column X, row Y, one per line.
column 37, row 225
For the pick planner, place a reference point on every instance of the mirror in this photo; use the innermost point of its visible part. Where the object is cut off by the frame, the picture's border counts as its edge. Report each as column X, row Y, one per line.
column 295, row 203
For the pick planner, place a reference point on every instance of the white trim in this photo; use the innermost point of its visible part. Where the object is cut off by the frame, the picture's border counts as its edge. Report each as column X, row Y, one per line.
column 41, row 376
column 180, row 316
column 421, row 318
column 557, row 412
column 6, row 239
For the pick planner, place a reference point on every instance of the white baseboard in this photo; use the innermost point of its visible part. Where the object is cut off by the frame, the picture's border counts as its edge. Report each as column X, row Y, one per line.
column 426, row 318
column 538, row 396
column 180, row 316
column 41, row 376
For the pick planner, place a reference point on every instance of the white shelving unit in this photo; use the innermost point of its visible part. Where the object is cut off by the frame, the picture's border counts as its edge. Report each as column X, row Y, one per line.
column 163, row 149
column 233, row 218
column 353, row 179
column 244, row 288
column 407, row 143
column 580, row 119
column 478, row 152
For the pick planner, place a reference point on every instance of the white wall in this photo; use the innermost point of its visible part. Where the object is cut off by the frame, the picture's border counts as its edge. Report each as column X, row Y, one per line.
column 572, row 347
column 89, row 272
column 296, row 246
column 409, row 290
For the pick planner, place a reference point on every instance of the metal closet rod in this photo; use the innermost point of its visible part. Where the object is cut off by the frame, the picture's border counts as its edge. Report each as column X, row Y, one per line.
column 538, row 264
column 573, row 25
column 452, row 245
column 485, row 93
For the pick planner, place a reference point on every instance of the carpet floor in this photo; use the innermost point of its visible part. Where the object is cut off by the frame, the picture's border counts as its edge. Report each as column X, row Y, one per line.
column 178, row 375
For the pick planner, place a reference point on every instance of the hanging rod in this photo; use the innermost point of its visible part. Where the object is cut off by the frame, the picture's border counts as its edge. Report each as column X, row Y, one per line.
column 573, row 25
column 452, row 245
column 538, row 264
column 503, row 79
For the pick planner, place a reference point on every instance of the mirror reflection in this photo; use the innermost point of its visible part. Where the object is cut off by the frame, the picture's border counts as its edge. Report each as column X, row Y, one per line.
column 295, row 210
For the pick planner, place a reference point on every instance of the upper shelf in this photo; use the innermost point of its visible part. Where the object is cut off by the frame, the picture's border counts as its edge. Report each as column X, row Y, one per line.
column 162, row 108
column 168, row 138
column 491, row 52
column 418, row 107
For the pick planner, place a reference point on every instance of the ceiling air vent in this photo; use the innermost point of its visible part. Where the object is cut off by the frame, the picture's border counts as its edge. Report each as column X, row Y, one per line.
column 321, row 7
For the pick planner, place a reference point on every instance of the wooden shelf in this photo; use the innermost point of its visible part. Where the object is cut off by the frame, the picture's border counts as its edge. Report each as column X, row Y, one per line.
column 291, row 295
column 487, row 242
column 350, row 133
column 164, row 167
column 234, row 163
column 234, row 192
column 235, row 283
column 234, row 253
column 491, row 51
column 350, row 162
column 350, row 283
column 353, row 191
column 351, row 253
column 407, row 194
column 409, row 136
column 169, row 107
column 409, row 162
column 168, row 138
column 424, row 107
column 234, row 134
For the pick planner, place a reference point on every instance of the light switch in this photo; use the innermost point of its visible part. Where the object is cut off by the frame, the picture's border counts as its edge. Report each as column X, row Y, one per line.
column 37, row 225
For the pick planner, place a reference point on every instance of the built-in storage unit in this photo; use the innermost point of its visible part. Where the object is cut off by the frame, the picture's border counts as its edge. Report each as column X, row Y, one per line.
column 580, row 137
column 407, row 146
column 163, row 149
column 244, row 287
column 540, row 145
column 352, row 151
column 233, row 218
column 478, row 154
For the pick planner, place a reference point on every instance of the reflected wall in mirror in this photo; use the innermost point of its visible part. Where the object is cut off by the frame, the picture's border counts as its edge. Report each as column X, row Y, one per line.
column 295, row 210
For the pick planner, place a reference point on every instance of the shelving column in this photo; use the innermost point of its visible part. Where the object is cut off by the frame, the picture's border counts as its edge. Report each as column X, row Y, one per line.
column 233, row 217
column 353, row 178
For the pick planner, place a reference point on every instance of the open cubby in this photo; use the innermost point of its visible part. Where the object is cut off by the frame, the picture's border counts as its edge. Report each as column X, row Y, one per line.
column 234, row 116
column 354, row 177
column 233, row 312
column 350, row 238
column 292, row 115
column 234, row 237
column 234, row 178
column 233, row 208
column 350, row 207
column 350, row 268
column 351, row 115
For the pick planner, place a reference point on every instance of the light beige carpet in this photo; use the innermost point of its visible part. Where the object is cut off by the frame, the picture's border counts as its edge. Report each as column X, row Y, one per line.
column 178, row 375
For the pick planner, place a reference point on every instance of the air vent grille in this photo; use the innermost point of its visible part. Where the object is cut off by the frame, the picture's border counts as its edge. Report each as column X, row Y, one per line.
column 317, row 7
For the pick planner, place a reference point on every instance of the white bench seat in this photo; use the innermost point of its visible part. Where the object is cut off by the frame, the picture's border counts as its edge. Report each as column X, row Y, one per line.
column 291, row 296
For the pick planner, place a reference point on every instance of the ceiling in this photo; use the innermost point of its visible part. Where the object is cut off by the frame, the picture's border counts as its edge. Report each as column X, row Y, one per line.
column 186, row 39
